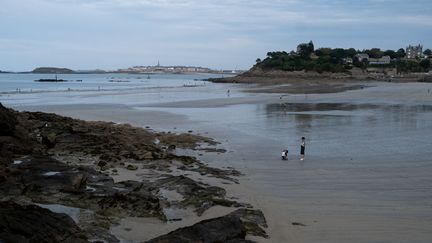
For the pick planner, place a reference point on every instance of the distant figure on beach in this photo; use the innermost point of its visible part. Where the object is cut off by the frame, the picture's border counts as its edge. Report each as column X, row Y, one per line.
column 228, row 93
column 302, row 148
column 285, row 154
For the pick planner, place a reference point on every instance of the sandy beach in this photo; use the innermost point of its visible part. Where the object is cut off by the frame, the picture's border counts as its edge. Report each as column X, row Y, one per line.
column 372, row 185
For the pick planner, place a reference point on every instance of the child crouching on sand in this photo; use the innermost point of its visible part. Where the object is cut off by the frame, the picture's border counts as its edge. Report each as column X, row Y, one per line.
column 285, row 154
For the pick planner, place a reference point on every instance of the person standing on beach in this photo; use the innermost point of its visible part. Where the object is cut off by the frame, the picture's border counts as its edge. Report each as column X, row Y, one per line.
column 302, row 147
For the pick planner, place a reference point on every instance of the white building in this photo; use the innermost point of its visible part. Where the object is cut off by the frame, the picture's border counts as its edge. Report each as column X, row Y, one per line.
column 380, row 61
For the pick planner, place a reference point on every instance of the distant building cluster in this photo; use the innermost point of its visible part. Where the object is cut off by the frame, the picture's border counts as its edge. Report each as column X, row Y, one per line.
column 411, row 52
column 165, row 69
column 175, row 69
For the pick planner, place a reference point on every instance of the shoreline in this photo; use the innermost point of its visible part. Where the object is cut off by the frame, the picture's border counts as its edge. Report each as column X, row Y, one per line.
column 108, row 180
column 301, row 82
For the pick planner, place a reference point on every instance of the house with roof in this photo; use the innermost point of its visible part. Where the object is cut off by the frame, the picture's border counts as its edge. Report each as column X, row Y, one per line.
column 380, row 61
column 362, row 56
column 413, row 52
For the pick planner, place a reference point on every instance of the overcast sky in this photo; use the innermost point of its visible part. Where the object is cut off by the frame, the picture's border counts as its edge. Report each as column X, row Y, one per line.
column 220, row 34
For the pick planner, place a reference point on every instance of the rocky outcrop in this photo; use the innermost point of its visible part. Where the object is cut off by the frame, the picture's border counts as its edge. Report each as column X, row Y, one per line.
column 199, row 195
column 7, row 121
column 35, row 224
column 44, row 179
column 212, row 230
column 50, row 159
column 14, row 137
column 230, row 228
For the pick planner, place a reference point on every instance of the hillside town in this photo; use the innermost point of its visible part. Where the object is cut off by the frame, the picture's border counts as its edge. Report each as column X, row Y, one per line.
column 411, row 53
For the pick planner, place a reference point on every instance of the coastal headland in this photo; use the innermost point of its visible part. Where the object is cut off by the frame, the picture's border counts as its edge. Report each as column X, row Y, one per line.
column 311, row 82
column 326, row 70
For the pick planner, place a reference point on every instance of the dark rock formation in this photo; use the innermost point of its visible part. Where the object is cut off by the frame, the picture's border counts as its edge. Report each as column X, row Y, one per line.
column 44, row 179
column 43, row 175
column 7, row 121
column 35, row 224
column 196, row 194
column 230, row 228
column 14, row 138
column 50, row 159
column 134, row 204
column 213, row 230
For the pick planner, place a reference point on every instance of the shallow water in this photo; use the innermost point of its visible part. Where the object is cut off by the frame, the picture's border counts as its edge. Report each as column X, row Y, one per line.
column 337, row 130
column 51, row 173
column 74, row 213
column 367, row 176
column 22, row 90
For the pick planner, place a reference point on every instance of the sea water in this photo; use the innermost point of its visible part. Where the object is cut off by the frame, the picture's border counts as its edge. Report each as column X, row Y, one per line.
column 110, row 88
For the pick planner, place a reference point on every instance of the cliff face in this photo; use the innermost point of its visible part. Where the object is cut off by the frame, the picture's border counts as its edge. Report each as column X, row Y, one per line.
column 52, row 70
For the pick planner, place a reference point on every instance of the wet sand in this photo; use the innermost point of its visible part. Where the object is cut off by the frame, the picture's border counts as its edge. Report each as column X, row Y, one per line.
column 367, row 176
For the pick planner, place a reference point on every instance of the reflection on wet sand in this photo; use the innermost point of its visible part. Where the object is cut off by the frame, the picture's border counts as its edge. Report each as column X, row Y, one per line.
column 310, row 116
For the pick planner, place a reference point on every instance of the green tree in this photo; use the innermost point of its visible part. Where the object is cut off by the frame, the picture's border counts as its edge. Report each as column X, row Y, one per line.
column 338, row 53
column 305, row 49
column 427, row 52
column 329, row 60
column 311, row 47
column 400, row 53
column 351, row 52
column 390, row 53
column 425, row 64
column 374, row 53
column 323, row 51
column 401, row 66
column 408, row 66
